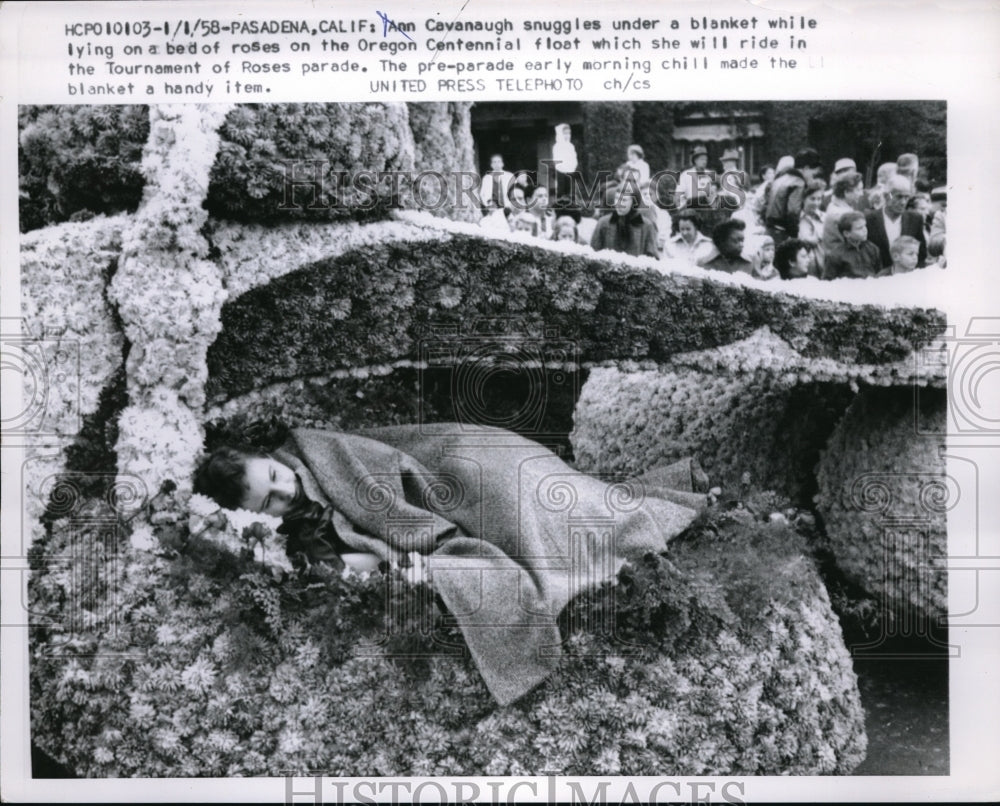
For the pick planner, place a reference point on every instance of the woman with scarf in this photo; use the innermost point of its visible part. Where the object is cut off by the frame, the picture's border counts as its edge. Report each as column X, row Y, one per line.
column 625, row 229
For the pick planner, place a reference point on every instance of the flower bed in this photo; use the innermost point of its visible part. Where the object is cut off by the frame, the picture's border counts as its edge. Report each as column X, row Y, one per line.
column 384, row 297
column 757, row 424
column 72, row 344
column 884, row 494
column 206, row 664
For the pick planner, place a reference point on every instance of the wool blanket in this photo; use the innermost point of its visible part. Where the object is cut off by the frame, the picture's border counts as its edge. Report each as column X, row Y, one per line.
column 511, row 532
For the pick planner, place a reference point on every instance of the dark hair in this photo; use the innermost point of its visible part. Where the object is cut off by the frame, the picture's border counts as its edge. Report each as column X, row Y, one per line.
column 721, row 232
column 813, row 186
column 807, row 158
column 846, row 221
column 764, row 170
column 785, row 254
column 687, row 214
column 845, row 183
column 516, row 207
column 936, row 245
column 222, row 475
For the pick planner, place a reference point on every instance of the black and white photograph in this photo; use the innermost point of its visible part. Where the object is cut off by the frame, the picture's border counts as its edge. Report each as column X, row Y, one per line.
column 454, row 441
column 552, row 509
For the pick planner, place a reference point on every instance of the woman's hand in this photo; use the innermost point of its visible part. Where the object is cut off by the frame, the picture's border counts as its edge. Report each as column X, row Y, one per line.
column 361, row 562
column 418, row 572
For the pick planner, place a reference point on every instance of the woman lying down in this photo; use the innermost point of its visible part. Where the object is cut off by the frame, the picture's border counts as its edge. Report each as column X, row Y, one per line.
column 503, row 530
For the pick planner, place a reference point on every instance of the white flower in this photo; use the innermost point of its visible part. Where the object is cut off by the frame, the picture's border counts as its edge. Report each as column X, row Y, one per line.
column 103, row 756
column 166, row 634
column 291, row 741
column 142, row 538
column 199, row 676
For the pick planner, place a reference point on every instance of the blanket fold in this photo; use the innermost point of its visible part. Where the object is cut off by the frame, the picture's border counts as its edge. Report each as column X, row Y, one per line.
column 512, row 533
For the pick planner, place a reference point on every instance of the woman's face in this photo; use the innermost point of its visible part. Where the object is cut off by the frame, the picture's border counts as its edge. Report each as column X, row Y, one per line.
column 270, row 486
column 800, row 266
column 811, row 202
column 623, row 204
column 767, row 253
column 687, row 230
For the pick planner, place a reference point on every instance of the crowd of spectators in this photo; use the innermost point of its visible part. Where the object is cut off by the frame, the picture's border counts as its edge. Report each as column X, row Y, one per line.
column 794, row 223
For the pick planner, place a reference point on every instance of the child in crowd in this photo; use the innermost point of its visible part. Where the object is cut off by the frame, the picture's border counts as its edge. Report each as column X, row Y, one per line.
column 792, row 259
column 811, row 222
column 763, row 260
column 936, row 247
column 857, row 256
column 565, row 230
column 905, row 251
column 524, row 222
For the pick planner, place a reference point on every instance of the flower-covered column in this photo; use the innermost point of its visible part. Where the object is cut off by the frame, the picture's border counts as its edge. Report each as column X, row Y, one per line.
column 169, row 297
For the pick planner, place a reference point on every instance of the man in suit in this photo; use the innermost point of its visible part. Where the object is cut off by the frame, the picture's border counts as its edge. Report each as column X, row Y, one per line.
column 894, row 220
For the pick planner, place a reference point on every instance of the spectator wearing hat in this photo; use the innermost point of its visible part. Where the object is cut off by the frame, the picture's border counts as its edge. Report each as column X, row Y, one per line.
column 730, row 159
column 841, row 167
column 728, row 238
column 785, row 205
column 893, row 220
column 634, row 164
column 909, row 166
column 735, row 185
column 695, row 180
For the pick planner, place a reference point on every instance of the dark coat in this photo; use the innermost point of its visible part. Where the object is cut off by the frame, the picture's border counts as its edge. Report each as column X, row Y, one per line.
column 639, row 236
column 784, row 204
column 913, row 225
column 512, row 532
